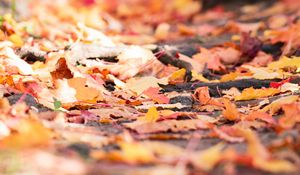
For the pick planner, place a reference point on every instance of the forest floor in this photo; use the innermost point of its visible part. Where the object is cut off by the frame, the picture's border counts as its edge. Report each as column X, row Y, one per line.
column 150, row 87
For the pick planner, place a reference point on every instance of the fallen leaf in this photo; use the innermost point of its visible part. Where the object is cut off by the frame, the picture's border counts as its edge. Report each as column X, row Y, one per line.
column 230, row 112
column 262, row 158
column 285, row 62
column 291, row 115
column 208, row 159
column 251, row 93
column 154, row 94
column 276, row 105
column 278, row 84
column 201, row 95
column 79, row 84
column 29, row 133
column 228, row 134
column 177, row 77
column 229, row 77
column 275, row 166
column 16, row 39
column 151, row 116
column 167, row 125
column 261, row 116
column 135, row 153
column 139, row 85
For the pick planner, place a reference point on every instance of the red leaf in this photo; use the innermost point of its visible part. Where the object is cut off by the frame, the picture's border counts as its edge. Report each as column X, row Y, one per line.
column 278, row 84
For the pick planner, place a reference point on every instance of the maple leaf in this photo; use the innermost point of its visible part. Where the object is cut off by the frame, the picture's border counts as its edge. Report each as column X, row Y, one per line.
column 277, row 104
column 139, row 85
column 177, row 77
column 278, row 84
column 136, row 153
column 285, row 62
column 153, row 93
column 202, row 95
column 251, row 93
column 250, row 46
column 291, row 115
column 79, row 84
column 167, row 125
column 230, row 112
column 259, row 115
column 151, row 116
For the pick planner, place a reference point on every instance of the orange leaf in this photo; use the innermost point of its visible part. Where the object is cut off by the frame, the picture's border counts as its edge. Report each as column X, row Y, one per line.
column 83, row 93
column 30, row 133
column 251, row 93
column 291, row 115
column 260, row 115
column 229, row 77
column 202, row 95
column 230, row 113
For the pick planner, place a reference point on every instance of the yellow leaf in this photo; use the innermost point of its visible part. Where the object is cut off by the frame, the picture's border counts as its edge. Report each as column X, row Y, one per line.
column 277, row 104
column 255, row 147
column 274, row 166
column 251, row 93
column 261, row 156
column 136, row 153
column 200, row 77
column 207, row 159
column 16, row 39
column 229, row 77
column 151, row 116
column 285, row 62
column 178, row 76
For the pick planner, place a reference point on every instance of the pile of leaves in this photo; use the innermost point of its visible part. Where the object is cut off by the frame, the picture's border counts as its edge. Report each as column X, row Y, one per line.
column 150, row 87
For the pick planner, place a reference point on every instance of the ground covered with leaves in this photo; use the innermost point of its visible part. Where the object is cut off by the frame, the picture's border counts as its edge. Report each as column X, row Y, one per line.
column 134, row 87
